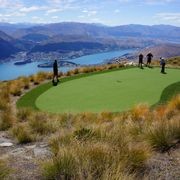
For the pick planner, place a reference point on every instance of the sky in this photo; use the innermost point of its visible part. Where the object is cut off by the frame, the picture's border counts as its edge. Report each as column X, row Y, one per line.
column 108, row 12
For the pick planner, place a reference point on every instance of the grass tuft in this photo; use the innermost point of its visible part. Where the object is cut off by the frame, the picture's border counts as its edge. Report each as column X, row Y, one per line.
column 64, row 166
column 6, row 120
column 39, row 124
column 22, row 134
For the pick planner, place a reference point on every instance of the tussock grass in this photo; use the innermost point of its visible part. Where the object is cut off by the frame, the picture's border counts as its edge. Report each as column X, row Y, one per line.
column 164, row 135
column 83, row 134
column 15, row 87
column 39, row 124
column 6, row 119
column 25, row 82
column 63, row 166
column 93, row 145
column 23, row 114
column 140, row 112
column 22, row 134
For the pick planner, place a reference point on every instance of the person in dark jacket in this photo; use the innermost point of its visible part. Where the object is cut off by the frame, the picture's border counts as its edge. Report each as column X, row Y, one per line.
column 141, row 61
column 149, row 59
column 55, row 72
column 162, row 63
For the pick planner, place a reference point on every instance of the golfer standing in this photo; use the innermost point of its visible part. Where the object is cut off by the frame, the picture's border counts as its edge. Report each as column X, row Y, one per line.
column 141, row 60
column 149, row 58
column 162, row 63
column 55, row 72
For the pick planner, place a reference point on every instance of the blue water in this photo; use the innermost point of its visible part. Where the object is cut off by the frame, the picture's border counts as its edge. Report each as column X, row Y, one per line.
column 10, row 71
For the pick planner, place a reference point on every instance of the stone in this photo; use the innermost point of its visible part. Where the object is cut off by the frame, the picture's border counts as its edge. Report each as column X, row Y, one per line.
column 6, row 144
column 30, row 147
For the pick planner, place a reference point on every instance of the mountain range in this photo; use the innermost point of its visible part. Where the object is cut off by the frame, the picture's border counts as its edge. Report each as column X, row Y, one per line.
column 67, row 37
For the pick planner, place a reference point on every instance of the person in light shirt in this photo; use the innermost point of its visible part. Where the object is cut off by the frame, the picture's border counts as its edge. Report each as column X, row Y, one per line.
column 163, row 64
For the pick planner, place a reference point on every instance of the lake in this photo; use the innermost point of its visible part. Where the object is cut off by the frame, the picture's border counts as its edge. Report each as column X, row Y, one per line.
column 10, row 71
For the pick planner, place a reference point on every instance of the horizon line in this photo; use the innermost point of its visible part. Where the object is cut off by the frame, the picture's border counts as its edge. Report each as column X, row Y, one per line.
column 34, row 23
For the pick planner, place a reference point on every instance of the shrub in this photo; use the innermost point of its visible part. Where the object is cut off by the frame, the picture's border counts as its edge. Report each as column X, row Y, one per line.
column 22, row 134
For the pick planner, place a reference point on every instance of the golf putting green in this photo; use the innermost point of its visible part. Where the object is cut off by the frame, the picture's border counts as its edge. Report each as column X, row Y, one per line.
column 113, row 91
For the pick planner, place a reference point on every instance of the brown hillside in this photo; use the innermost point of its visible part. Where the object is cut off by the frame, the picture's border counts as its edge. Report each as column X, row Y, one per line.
column 165, row 50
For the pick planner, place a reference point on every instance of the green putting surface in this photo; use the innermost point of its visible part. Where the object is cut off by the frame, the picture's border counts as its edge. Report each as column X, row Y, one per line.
column 113, row 91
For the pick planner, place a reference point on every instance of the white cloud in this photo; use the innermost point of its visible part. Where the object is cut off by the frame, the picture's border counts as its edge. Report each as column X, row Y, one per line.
column 33, row 8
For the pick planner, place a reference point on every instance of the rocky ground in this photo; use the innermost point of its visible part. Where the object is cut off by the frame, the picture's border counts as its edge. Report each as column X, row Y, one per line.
column 23, row 159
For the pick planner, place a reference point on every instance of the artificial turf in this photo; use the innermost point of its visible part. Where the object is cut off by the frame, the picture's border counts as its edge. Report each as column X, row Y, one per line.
column 114, row 91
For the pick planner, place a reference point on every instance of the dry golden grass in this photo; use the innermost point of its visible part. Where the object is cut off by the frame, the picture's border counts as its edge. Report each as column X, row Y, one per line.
column 6, row 119
column 94, row 145
column 15, row 87
column 22, row 134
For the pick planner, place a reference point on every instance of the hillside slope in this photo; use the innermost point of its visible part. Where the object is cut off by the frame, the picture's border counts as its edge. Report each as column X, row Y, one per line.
column 164, row 50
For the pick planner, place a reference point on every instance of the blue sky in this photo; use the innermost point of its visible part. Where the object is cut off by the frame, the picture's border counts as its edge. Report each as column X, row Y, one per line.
column 109, row 12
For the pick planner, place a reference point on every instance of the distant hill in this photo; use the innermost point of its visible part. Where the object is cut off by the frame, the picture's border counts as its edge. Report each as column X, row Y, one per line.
column 63, row 37
column 165, row 50
column 7, row 47
column 67, row 47
column 175, row 61
column 9, row 28
column 164, row 32
column 35, row 37
column 5, row 37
